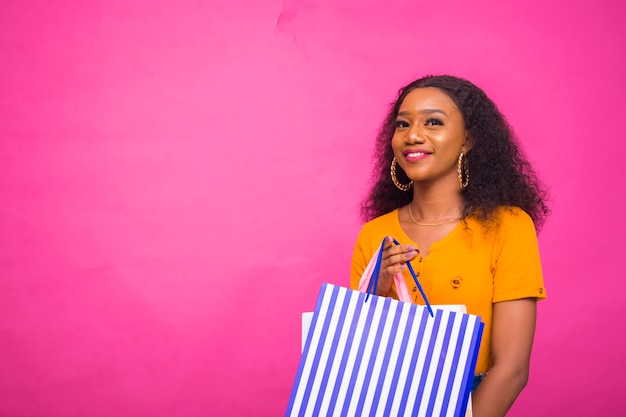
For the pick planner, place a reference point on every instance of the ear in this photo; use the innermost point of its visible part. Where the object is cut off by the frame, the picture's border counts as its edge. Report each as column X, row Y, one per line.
column 468, row 144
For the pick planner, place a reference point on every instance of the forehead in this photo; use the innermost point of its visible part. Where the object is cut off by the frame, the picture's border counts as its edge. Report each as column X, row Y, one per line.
column 428, row 98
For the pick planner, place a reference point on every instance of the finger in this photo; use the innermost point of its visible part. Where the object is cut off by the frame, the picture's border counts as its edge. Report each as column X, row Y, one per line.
column 401, row 258
column 395, row 268
column 393, row 250
column 399, row 250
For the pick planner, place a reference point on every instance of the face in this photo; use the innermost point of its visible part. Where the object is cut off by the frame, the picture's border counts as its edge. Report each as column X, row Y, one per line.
column 429, row 136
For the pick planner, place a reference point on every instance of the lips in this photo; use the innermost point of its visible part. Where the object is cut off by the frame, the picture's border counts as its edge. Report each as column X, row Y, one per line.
column 412, row 155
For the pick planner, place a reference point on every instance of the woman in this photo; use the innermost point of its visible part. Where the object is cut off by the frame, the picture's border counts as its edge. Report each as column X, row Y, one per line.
column 453, row 187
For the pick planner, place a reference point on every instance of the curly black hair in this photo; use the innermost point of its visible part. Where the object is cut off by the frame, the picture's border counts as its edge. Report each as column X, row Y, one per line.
column 500, row 173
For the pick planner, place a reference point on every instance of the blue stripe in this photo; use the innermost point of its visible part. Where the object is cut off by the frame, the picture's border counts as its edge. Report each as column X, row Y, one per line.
column 405, row 342
column 346, row 352
column 413, row 364
column 385, row 365
column 333, row 351
column 305, row 352
column 373, row 356
column 468, row 376
column 359, row 356
column 429, row 354
column 455, row 362
column 318, row 352
column 442, row 359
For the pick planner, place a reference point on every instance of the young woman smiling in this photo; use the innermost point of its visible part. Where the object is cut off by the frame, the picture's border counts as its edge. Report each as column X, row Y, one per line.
column 452, row 185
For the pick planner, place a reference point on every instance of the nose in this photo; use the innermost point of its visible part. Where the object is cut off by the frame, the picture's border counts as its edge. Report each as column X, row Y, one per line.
column 415, row 136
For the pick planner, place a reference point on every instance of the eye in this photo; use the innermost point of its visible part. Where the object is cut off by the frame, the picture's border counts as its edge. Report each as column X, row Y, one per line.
column 401, row 124
column 433, row 121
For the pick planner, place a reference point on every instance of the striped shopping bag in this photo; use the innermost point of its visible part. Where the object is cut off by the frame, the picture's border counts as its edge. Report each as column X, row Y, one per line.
column 367, row 355
column 384, row 357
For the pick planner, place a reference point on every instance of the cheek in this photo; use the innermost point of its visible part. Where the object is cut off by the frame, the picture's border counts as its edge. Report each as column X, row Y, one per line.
column 448, row 141
column 396, row 142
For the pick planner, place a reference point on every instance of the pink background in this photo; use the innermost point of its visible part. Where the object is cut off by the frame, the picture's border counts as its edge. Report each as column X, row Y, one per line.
column 178, row 178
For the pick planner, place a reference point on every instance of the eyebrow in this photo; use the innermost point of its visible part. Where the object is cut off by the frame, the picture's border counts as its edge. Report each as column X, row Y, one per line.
column 423, row 111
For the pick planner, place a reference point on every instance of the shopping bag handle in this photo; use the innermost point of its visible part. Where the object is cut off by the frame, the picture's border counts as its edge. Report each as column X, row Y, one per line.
column 371, row 289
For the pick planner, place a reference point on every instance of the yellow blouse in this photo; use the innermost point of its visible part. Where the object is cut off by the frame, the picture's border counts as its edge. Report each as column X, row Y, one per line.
column 473, row 265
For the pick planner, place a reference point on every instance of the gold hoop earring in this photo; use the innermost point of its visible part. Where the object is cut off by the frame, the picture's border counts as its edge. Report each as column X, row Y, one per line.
column 463, row 170
column 394, row 178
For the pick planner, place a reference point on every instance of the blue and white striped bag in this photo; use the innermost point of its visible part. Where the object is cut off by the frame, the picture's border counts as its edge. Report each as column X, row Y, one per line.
column 367, row 355
column 384, row 357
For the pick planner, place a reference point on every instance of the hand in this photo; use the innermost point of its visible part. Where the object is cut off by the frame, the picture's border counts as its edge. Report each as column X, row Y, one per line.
column 394, row 260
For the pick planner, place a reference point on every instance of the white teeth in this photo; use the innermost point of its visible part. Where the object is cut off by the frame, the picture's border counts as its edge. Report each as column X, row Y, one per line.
column 415, row 154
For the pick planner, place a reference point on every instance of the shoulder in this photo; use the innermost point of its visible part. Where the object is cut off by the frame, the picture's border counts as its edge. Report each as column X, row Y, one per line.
column 381, row 222
column 514, row 219
column 506, row 218
column 513, row 229
column 376, row 229
column 370, row 238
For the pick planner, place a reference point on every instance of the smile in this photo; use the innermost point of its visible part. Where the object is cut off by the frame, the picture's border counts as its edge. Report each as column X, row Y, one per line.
column 416, row 156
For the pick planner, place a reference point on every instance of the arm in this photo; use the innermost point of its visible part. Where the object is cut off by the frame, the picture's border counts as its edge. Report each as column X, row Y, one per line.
column 513, row 330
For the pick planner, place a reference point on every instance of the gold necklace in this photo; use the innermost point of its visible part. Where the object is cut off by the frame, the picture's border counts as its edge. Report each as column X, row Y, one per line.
column 430, row 224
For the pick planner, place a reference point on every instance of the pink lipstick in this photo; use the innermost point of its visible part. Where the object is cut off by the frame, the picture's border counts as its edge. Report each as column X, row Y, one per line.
column 413, row 155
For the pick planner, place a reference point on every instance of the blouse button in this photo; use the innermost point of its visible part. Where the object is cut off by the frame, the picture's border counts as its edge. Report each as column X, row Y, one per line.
column 456, row 282
column 420, row 259
column 414, row 289
column 540, row 290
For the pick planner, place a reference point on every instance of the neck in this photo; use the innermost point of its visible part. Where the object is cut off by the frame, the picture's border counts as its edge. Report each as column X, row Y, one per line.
column 436, row 203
